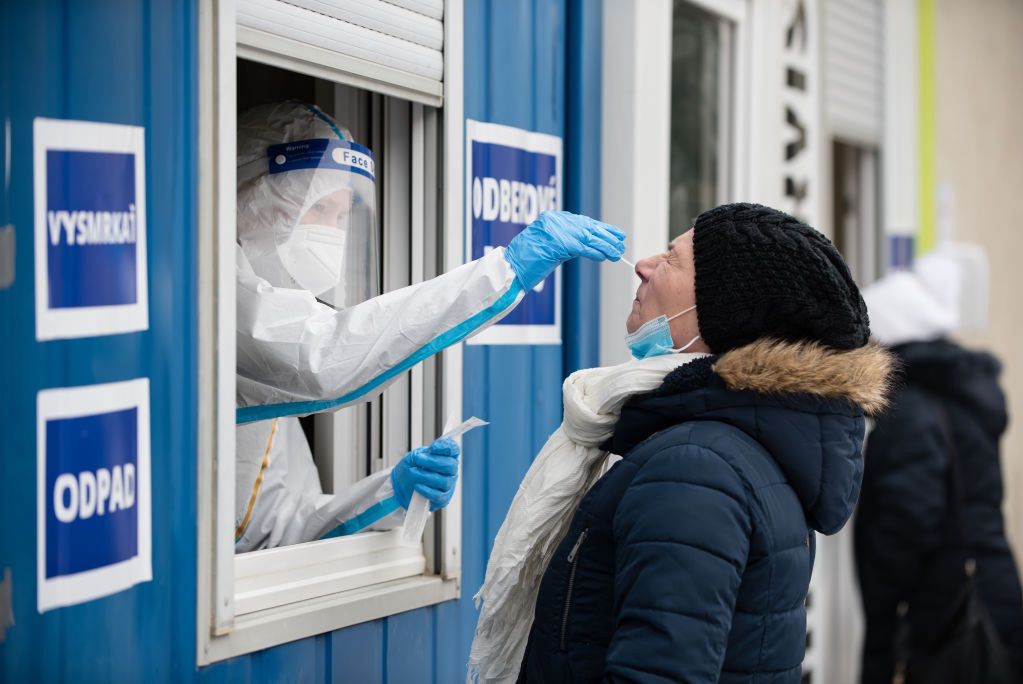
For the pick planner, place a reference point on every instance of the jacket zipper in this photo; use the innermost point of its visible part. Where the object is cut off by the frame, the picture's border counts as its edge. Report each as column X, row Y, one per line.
column 573, row 560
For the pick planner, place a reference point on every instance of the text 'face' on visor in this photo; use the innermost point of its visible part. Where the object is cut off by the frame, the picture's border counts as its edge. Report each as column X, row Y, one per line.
column 321, row 153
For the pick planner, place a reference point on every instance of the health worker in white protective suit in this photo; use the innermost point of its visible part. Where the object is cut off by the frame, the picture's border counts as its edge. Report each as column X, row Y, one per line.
column 314, row 335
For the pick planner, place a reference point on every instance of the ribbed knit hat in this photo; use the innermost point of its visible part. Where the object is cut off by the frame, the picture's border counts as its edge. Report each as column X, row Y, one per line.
column 762, row 273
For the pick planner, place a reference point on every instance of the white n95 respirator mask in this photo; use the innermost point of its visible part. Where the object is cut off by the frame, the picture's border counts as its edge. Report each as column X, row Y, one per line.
column 314, row 256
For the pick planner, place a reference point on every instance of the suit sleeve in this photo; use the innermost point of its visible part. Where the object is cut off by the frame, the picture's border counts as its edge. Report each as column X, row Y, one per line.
column 682, row 533
column 298, row 356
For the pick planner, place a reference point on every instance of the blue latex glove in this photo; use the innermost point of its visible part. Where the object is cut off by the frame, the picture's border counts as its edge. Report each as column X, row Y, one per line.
column 556, row 237
column 432, row 471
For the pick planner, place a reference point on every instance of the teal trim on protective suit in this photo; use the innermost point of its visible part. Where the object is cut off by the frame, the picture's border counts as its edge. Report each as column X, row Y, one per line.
column 250, row 414
column 378, row 511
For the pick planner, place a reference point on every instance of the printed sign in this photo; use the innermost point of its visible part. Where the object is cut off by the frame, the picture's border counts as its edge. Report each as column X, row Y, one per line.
column 512, row 176
column 90, row 229
column 801, row 102
column 92, row 491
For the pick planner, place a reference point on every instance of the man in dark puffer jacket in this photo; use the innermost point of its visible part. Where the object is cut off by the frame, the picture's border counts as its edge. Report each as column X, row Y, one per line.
column 689, row 561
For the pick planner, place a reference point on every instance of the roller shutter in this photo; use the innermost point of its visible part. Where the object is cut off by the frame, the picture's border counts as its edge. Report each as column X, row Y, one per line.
column 394, row 47
column 853, row 49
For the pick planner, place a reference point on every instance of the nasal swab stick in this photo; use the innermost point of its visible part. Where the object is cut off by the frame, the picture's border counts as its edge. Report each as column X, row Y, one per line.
column 626, row 262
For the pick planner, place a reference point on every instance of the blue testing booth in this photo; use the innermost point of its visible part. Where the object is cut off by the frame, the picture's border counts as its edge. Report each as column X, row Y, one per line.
column 110, row 560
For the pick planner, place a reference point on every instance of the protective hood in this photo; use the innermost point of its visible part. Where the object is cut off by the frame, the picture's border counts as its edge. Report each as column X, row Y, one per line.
column 307, row 203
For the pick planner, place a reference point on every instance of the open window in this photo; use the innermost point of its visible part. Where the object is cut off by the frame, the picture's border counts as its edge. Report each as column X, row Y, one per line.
column 382, row 70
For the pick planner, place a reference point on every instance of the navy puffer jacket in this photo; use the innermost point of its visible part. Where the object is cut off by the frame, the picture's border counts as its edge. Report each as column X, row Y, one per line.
column 689, row 561
column 904, row 551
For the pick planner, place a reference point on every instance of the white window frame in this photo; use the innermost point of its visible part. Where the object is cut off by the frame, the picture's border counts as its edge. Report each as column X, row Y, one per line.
column 255, row 601
column 636, row 135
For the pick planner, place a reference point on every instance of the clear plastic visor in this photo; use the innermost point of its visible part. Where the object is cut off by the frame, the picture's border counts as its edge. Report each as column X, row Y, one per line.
column 331, row 249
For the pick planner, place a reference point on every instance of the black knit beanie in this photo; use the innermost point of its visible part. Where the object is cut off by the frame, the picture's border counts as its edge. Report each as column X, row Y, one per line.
column 762, row 273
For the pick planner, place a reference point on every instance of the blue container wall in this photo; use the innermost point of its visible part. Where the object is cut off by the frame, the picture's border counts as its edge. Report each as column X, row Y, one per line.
column 582, row 179
column 514, row 75
column 125, row 62
column 533, row 64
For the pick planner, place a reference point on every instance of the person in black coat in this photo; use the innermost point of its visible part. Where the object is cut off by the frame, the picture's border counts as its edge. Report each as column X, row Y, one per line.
column 939, row 436
column 689, row 561
column 949, row 402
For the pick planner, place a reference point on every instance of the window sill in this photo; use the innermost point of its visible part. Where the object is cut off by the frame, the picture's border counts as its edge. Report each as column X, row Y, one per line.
column 273, row 626
column 287, row 575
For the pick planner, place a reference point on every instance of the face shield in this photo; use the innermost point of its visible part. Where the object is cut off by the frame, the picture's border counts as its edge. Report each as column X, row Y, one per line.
column 307, row 216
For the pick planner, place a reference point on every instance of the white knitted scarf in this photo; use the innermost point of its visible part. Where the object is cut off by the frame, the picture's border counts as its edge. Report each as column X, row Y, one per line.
column 541, row 513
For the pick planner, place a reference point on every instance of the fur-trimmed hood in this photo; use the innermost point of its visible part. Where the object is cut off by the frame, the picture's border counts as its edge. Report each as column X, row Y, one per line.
column 802, row 402
column 862, row 376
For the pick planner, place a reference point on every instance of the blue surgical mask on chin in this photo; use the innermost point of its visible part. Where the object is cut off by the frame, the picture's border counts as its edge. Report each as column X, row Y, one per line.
column 653, row 338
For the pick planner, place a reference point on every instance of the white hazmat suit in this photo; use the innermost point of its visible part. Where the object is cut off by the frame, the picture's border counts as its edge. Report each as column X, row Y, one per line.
column 298, row 355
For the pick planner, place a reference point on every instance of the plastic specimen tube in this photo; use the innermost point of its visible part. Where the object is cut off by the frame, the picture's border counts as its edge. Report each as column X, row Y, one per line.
column 419, row 507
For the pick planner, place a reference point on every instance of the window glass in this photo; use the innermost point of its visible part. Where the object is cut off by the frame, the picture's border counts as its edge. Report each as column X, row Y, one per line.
column 698, row 138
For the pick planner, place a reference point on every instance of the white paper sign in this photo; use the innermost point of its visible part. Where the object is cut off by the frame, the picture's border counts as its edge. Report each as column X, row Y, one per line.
column 512, row 176
column 93, row 526
column 90, row 229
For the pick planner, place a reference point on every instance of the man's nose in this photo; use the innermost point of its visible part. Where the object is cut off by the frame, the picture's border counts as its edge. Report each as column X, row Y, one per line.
column 645, row 268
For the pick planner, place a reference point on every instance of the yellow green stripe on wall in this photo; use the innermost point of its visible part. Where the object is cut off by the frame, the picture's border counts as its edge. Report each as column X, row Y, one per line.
column 927, row 128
